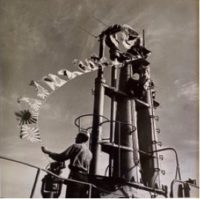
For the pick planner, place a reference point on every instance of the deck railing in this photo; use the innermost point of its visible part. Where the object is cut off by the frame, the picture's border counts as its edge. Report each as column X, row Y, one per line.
column 39, row 169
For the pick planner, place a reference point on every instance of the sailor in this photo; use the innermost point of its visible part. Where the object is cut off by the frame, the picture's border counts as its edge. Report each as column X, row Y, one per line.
column 80, row 157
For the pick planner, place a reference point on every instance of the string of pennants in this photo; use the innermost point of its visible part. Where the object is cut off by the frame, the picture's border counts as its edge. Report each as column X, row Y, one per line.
column 124, row 44
column 28, row 117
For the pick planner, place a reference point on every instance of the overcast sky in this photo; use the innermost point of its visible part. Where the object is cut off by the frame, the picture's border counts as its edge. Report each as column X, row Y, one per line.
column 41, row 37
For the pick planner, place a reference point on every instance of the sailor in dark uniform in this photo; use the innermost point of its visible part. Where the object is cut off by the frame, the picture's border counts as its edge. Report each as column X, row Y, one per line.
column 80, row 157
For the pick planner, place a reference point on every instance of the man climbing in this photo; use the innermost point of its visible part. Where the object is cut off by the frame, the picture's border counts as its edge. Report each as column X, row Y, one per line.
column 80, row 158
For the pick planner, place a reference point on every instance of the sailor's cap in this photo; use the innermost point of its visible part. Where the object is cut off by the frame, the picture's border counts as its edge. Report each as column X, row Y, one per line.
column 84, row 134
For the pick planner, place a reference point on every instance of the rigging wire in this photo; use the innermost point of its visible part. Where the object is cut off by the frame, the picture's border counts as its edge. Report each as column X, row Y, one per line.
column 100, row 21
column 86, row 31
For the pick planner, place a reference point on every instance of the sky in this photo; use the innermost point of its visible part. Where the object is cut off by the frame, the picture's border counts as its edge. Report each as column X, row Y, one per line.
column 41, row 37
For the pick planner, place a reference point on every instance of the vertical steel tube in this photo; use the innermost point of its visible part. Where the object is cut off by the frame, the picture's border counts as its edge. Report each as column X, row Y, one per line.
column 97, row 119
column 90, row 191
column 35, row 183
column 148, row 140
column 143, row 38
column 119, row 151
column 98, row 111
column 124, row 162
column 101, row 47
column 136, row 155
column 156, row 176
column 113, row 102
column 112, row 115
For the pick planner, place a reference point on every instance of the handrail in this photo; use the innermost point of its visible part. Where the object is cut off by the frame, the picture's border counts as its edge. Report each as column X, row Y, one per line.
column 115, row 121
column 35, row 183
column 49, row 172
column 65, row 179
column 177, row 161
column 106, row 121
column 77, row 120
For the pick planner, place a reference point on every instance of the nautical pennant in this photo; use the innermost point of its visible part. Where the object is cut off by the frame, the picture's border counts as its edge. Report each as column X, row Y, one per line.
column 26, row 117
column 30, row 133
column 91, row 65
column 34, row 104
column 70, row 75
column 41, row 91
column 82, row 67
column 53, row 81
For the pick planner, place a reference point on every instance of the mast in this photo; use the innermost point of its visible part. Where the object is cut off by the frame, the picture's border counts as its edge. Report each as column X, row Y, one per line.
column 147, row 133
column 126, row 162
column 97, row 113
column 132, row 119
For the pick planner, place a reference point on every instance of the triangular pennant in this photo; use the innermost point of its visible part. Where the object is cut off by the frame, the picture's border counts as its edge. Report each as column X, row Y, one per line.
column 91, row 64
column 53, row 81
column 83, row 67
column 41, row 91
column 34, row 104
column 70, row 75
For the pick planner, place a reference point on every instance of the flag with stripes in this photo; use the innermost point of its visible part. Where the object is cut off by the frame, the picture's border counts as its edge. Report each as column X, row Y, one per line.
column 26, row 117
column 30, row 133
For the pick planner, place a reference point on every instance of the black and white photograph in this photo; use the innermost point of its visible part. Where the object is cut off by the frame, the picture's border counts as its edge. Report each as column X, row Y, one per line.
column 99, row 99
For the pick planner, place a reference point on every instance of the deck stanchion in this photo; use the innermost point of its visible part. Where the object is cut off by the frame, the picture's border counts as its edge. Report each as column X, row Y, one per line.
column 35, row 183
column 90, row 191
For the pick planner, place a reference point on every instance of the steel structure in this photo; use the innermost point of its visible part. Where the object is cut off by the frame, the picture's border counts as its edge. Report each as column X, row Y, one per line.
column 132, row 145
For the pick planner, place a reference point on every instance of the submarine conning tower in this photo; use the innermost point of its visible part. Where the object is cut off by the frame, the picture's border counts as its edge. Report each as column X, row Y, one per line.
column 132, row 145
